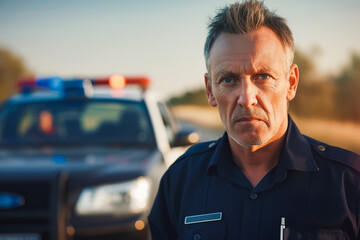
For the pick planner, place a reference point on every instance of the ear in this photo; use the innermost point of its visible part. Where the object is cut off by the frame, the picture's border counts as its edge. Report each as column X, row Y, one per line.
column 293, row 82
column 210, row 95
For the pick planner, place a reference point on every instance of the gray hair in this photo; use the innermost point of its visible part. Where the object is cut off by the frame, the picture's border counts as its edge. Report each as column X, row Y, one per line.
column 246, row 17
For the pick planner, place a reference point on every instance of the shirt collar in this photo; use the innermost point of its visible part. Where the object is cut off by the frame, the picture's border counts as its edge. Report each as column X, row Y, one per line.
column 222, row 159
column 296, row 154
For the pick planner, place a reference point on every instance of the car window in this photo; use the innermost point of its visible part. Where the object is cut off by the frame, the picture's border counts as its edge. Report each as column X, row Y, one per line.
column 169, row 121
column 77, row 122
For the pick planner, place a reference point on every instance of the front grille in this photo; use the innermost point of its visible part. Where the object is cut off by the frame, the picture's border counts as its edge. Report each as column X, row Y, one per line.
column 43, row 210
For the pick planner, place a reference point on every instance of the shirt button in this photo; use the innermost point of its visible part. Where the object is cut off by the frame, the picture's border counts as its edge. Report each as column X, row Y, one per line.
column 197, row 237
column 253, row 196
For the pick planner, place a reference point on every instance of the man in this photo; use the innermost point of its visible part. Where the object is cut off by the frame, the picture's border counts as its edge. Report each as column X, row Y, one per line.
column 262, row 179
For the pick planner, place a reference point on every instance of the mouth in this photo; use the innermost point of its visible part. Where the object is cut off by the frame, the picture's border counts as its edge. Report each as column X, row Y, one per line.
column 248, row 120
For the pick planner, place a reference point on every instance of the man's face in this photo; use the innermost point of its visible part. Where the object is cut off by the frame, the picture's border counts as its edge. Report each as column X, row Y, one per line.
column 250, row 82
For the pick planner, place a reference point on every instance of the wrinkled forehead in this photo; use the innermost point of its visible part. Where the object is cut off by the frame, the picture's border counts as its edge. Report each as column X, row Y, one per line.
column 259, row 47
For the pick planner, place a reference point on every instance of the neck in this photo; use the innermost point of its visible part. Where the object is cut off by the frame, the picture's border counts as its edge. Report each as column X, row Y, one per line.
column 257, row 160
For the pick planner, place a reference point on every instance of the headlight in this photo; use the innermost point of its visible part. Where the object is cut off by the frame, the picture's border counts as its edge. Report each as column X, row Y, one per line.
column 130, row 197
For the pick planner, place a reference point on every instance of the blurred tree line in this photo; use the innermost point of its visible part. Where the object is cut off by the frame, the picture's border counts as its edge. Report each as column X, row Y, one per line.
column 318, row 96
column 322, row 96
column 12, row 69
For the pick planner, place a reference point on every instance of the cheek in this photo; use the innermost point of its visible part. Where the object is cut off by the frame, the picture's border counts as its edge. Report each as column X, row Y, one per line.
column 229, row 96
column 221, row 96
column 279, row 105
column 273, row 101
column 226, row 101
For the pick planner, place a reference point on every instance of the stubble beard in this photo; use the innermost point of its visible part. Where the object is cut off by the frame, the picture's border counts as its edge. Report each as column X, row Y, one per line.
column 257, row 135
column 251, row 141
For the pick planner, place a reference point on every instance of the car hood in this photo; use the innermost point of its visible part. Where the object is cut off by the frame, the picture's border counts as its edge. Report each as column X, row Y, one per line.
column 93, row 164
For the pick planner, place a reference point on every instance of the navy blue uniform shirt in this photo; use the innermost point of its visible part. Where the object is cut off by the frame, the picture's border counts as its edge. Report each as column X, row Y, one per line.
column 315, row 188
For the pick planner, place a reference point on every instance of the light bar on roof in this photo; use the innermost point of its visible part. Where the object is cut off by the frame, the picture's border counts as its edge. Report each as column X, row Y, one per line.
column 118, row 81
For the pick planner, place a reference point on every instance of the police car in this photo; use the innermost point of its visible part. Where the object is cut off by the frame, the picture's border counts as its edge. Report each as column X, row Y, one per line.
column 82, row 158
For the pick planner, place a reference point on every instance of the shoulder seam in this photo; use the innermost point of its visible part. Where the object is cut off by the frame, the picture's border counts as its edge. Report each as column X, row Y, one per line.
column 203, row 147
column 350, row 159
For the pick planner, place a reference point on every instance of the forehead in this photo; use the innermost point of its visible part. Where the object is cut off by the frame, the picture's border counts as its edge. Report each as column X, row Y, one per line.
column 258, row 49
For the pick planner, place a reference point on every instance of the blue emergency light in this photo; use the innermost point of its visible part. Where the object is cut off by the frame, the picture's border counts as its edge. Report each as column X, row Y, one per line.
column 39, row 84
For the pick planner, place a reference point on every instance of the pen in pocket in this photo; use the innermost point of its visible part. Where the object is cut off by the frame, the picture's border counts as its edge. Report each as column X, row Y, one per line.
column 282, row 227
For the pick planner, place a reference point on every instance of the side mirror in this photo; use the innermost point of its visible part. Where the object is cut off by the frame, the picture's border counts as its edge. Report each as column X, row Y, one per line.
column 185, row 137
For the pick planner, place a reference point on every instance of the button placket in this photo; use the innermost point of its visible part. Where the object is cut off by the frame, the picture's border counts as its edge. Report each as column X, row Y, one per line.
column 251, row 216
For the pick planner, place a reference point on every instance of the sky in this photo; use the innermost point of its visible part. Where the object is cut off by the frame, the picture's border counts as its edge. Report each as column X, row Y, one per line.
column 162, row 39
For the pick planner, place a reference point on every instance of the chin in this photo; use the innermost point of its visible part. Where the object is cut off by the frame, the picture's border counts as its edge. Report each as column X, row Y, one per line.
column 247, row 141
column 249, row 136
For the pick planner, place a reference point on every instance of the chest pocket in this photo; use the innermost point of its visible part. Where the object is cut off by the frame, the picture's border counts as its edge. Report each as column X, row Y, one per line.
column 318, row 234
column 203, row 231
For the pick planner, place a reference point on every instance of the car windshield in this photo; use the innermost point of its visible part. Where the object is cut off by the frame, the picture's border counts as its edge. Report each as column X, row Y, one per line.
column 76, row 122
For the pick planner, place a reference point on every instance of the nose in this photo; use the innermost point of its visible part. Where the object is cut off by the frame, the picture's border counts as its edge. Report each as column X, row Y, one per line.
column 247, row 93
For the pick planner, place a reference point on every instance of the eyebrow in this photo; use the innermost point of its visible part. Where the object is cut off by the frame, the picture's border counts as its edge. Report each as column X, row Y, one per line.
column 226, row 73
column 267, row 69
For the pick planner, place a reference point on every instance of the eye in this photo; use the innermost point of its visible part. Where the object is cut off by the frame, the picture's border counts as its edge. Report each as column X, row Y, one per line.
column 262, row 77
column 227, row 80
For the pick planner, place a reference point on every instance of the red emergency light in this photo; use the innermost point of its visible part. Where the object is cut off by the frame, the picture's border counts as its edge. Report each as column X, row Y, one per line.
column 26, row 83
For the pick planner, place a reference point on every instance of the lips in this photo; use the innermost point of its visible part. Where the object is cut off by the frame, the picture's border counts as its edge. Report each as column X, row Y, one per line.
column 247, row 116
column 248, row 119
